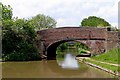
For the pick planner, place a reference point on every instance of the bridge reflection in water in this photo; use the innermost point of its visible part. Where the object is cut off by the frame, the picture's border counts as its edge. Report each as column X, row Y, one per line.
column 64, row 66
column 70, row 62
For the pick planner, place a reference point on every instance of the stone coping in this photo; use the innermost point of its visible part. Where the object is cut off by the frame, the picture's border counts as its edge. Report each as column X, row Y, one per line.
column 98, row 67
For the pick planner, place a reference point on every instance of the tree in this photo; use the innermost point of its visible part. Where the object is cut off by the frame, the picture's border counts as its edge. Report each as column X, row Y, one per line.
column 24, row 29
column 17, row 37
column 16, row 32
column 93, row 21
column 41, row 21
column 6, row 12
column 6, row 17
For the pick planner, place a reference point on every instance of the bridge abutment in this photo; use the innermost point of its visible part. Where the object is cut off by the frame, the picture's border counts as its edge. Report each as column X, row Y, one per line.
column 40, row 45
column 112, row 40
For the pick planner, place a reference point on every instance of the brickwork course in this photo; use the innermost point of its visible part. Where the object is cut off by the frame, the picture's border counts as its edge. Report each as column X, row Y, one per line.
column 98, row 40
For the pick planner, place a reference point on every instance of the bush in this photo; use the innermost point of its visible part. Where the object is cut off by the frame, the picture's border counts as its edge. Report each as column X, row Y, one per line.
column 25, row 52
column 10, row 40
column 81, row 45
column 118, row 29
column 25, row 47
column 22, row 57
column 61, row 47
column 17, row 56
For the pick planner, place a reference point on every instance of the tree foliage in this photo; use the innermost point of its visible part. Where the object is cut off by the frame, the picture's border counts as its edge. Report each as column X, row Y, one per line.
column 17, row 37
column 6, row 12
column 65, row 45
column 41, row 21
column 24, row 29
column 15, row 34
column 93, row 21
column 82, row 46
column 62, row 47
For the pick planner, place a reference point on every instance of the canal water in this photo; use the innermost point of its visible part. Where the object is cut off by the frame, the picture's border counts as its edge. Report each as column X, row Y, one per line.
column 65, row 66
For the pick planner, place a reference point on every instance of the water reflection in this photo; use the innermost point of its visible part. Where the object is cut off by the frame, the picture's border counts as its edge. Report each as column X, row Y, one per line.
column 69, row 62
column 66, row 59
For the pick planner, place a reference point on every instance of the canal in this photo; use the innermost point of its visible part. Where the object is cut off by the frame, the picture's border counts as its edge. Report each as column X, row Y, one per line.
column 65, row 66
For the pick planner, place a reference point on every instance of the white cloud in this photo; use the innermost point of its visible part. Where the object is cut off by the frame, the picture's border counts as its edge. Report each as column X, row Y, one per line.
column 61, row 22
column 90, row 5
column 66, row 12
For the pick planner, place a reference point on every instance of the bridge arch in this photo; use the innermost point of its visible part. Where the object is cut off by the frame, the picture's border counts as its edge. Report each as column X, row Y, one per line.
column 51, row 49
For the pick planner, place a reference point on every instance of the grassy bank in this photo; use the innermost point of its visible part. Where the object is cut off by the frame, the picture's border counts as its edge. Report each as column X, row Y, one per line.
column 107, row 66
column 110, row 57
column 82, row 51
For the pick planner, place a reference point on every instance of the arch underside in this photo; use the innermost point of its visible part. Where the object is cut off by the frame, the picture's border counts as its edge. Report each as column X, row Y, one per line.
column 51, row 50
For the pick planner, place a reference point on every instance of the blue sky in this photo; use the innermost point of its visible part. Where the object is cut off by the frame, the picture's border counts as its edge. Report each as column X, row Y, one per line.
column 66, row 12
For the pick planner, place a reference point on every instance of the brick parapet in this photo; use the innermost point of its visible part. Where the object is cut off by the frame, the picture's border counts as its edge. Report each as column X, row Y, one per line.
column 112, row 40
column 72, row 33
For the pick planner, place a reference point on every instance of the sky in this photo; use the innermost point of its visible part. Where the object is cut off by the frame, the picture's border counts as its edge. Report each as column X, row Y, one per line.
column 67, row 13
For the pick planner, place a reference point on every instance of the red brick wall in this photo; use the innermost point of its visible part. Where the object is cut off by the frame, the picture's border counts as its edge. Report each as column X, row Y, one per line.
column 94, row 37
column 72, row 33
column 112, row 40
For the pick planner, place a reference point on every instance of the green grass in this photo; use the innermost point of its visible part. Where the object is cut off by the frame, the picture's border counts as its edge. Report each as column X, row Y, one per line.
column 82, row 51
column 107, row 66
column 110, row 57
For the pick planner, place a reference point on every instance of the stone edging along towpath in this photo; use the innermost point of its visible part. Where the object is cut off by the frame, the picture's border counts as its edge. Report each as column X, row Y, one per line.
column 98, row 67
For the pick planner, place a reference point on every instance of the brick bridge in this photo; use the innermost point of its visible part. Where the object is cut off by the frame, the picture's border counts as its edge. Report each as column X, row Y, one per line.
column 98, row 40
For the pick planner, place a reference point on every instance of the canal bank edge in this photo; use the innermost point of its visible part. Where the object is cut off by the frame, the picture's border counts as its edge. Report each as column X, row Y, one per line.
column 98, row 67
